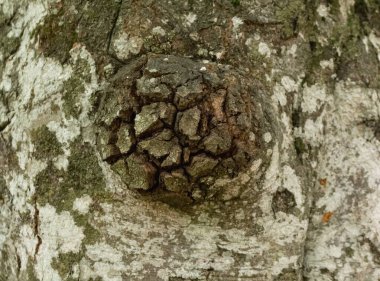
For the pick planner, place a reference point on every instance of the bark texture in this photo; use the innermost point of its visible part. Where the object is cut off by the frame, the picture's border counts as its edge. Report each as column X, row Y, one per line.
column 189, row 140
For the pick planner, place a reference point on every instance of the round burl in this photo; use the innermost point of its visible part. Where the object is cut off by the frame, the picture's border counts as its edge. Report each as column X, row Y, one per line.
column 174, row 125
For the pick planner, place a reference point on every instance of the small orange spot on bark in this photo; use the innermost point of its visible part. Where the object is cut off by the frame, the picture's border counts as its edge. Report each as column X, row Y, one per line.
column 327, row 216
column 323, row 182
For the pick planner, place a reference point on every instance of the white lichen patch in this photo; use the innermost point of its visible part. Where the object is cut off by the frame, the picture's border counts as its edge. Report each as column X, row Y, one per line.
column 236, row 23
column 39, row 82
column 44, row 87
column 283, row 263
column 288, row 140
column 104, row 261
column 190, row 18
column 26, row 245
column 272, row 179
column 285, row 230
column 279, row 95
column 158, row 30
column 264, row 49
column 228, row 189
column 313, row 131
column 65, row 131
column 375, row 40
column 82, row 204
column 21, row 188
column 313, row 98
column 289, row 84
column 292, row 182
column 125, row 45
column 36, row 80
column 41, row 78
column 355, row 104
column 59, row 234
column 256, row 165
column 323, row 11
column 345, row 7
column 134, row 232
column 292, row 50
column 327, row 64
column 346, row 216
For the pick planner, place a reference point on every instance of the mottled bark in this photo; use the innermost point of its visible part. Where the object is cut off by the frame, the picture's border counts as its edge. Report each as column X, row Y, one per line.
column 189, row 140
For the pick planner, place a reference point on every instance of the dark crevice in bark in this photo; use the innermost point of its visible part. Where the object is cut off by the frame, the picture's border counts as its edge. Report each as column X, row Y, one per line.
column 298, row 117
column 113, row 29
column 18, row 260
column 4, row 125
column 36, row 229
column 251, row 22
column 116, row 58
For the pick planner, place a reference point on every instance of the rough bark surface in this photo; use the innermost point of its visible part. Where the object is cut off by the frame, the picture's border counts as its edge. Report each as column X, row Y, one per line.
column 189, row 140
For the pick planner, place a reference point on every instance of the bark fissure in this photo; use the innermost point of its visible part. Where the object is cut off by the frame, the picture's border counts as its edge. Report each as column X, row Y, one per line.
column 109, row 41
column 36, row 228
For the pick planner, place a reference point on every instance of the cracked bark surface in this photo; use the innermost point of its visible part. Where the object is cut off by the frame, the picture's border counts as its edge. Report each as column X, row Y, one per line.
column 175, row 126
column 189, row 140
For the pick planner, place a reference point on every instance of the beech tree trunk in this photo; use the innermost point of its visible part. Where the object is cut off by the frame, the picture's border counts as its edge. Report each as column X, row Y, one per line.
column 189, row 140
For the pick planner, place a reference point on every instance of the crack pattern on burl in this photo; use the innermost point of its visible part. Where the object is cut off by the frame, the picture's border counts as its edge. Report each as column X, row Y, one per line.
column 172, row 126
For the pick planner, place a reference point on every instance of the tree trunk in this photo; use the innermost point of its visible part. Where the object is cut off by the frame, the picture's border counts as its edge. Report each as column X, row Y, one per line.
column 189, row 140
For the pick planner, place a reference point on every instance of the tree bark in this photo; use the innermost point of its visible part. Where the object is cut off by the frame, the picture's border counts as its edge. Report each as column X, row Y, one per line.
column 189, row 140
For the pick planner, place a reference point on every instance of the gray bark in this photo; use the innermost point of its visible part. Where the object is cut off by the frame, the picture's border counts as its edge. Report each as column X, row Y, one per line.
column 189, row 140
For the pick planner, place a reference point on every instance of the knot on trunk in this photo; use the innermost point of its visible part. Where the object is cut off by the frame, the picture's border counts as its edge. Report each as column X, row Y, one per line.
column 174, row 125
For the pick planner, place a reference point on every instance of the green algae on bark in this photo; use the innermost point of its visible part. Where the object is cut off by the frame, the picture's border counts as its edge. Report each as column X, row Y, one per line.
column 46, row 144
column 83, row 176
column 76, row 21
